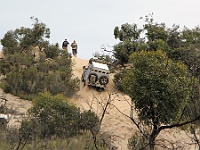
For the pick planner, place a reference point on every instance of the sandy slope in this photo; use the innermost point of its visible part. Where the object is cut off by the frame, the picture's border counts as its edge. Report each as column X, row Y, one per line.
column 114, row 123
column 117, row 125
column 18, row 106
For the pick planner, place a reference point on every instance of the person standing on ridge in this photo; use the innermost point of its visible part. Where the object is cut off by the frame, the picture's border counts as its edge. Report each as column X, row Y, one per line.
column 65, row 44
column 74, row 48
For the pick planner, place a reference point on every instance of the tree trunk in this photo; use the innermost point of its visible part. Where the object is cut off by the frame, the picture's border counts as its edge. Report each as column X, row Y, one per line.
column 152, row 138
column 155, row 131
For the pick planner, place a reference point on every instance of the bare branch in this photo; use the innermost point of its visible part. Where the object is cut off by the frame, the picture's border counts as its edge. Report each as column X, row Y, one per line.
column 179, row 124
column 131, row 118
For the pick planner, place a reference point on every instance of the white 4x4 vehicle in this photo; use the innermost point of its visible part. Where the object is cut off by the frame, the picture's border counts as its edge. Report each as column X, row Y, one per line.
column 96, row 74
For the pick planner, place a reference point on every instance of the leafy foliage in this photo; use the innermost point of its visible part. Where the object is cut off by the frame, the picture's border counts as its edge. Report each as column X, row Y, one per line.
column 179, row 44
column 24, row 75
column 119, row 79
column 31, row 65
column 22, row 38
column 128, row 34
column 53, row 115
column 88, row 120
column 161, row 74
column 159, row 87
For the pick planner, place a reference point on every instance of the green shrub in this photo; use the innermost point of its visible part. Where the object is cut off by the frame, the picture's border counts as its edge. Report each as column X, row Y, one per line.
column 88, row 120
column 31, row 65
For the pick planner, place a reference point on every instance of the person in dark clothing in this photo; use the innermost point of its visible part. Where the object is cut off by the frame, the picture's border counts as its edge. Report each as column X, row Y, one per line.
column 74, row 48
column 65, row 44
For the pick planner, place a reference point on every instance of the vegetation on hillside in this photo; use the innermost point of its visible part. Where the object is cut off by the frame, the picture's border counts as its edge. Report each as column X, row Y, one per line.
column 179, row 44
column 53, row 122
column 162, row 77
column 31, row 65
column 35, row 70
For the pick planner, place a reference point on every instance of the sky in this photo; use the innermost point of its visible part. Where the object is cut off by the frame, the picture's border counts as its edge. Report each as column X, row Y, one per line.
column 91, row 22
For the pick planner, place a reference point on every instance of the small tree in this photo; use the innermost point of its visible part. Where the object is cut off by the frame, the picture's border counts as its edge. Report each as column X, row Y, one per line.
column 160, row 90
column 88, row 120
column 128, row 34
column 22, row 38
column 55, row 116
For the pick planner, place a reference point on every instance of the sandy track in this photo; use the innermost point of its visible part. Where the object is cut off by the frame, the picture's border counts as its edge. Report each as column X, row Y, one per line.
column 117, row 125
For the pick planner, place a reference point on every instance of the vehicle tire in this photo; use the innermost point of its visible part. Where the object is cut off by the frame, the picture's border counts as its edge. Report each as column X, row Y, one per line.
column 103, row 80
column 96, row 77
column 99, row 89
column 3, row 123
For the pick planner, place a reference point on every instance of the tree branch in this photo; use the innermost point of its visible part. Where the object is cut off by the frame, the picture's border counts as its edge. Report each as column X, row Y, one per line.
column 179, row 124
column 132, row 119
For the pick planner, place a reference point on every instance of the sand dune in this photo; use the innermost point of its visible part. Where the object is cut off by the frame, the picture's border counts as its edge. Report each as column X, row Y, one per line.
column 117, row 125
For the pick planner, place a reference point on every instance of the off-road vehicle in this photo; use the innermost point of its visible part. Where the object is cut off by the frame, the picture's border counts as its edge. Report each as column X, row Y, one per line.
column 96, row 74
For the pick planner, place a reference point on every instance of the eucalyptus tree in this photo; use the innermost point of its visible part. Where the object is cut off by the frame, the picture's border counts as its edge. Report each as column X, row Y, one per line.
column 160, row 90
column 179, row 43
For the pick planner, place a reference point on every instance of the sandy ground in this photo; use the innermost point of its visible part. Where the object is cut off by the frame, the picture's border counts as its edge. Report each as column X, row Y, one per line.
column 17, row 106
column 121, row 128
column 115, row 123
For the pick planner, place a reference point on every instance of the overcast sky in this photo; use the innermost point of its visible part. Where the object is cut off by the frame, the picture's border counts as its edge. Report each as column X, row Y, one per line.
column 91, row 22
